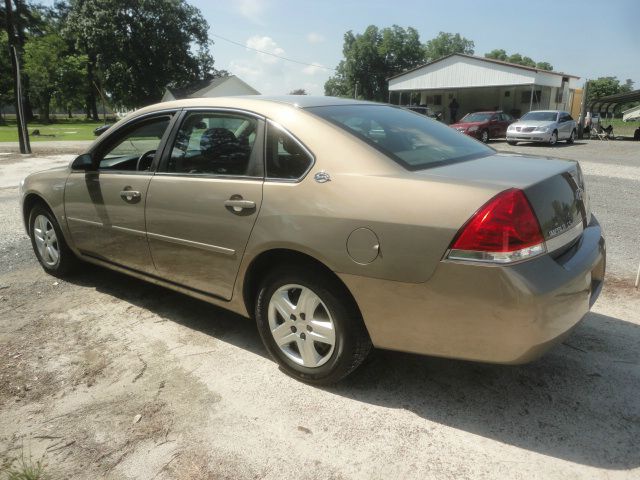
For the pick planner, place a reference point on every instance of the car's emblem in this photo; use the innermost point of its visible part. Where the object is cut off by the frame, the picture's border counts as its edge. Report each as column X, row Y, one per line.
column 322, row 177
column 579, row 194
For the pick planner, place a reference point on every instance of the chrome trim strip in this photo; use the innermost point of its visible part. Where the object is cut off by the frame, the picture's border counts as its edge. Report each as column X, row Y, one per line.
column 88, row 222
column 189, row 243
column 138, row 233
column 210, row 175
column 564, row 238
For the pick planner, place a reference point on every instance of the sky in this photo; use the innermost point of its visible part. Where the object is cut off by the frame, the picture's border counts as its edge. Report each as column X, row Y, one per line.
column 587, row 38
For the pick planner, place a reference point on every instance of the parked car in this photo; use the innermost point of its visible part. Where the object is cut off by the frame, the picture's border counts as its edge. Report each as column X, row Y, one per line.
column 101, row 129
column 484, row 125
column 422, row 109
column 547, row 126
column 335, row 224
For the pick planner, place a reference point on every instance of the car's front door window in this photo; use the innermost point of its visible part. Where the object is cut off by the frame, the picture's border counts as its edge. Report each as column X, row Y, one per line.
column 136, row 149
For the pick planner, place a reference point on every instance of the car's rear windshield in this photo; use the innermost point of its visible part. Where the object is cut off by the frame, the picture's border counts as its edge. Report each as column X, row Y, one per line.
column 413, row 140
column 540, row 116
column 477, row 117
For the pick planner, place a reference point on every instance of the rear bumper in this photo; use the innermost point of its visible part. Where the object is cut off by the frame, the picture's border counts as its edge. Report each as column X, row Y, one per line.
column 528, row 137
column 486, row 313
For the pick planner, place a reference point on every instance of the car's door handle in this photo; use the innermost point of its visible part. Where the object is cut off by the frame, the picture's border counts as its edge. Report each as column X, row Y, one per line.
column 130, row 195
column 239, row 204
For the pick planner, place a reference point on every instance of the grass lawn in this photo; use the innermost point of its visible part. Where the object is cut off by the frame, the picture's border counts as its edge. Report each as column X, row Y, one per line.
column 74, row 130
column 620, row 128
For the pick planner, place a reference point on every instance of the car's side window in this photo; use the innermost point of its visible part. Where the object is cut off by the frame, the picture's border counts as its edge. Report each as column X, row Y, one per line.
column 213, row 143
column 135, row 150
column 286, row 158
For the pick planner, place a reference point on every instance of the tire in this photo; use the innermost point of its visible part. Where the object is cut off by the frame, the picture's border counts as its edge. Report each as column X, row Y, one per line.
column 484, row 136
column 553, row 139
column 572, row 137
column 49, row 245
column 324, row 339
column 511, row 142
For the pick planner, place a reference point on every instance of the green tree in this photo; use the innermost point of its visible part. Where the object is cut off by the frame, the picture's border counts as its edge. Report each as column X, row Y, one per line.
column 51, row 71
column 135, row 49
column 502, row 55
column 497, row 54
column 544, row 66
column 29, row 20
column 602, row 87
column 446, row 44
column 6, row 77
column 298, row 91
column 373, row 56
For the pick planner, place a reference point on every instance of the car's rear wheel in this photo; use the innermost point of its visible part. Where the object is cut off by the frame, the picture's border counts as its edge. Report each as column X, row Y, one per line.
column 310, row 326
column 484, row 136
column 48, row 243
column 572, row 137
column 553, row 139
column 511, row 142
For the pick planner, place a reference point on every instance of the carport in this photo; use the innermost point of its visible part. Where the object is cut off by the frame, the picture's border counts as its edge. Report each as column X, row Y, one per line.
column 479, row 83
column 605, row 105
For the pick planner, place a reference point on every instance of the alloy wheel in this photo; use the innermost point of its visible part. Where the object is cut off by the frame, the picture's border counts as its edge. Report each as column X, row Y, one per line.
column 301, row 325
column 46, row 241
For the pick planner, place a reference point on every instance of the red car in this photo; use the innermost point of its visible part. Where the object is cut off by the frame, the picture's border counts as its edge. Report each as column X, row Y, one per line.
column 484, row 125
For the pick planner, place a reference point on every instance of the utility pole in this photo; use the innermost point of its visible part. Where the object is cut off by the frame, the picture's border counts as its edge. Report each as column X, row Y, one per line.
column 23, row 133
column 583, row 109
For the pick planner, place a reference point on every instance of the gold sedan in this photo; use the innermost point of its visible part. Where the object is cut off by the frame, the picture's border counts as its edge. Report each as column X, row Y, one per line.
column 336, row 224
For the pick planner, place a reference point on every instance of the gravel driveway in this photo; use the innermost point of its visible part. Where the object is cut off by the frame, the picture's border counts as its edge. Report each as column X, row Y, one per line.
column 105, row 376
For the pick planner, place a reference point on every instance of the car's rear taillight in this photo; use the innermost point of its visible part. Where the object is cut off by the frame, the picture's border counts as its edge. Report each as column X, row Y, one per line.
column 504, row 230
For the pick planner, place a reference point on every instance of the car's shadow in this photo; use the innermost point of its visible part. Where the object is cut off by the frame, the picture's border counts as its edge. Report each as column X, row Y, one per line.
column 580, row 402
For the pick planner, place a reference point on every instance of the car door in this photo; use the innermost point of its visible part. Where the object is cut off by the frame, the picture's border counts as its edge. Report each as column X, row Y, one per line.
column 504, row 122
column 494, row 125
column 205, row 199
column 564, row 125
column 104, row 206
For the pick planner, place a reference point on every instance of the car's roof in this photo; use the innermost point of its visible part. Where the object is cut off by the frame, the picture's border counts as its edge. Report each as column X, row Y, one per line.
column 300, row 101
column 257, row 103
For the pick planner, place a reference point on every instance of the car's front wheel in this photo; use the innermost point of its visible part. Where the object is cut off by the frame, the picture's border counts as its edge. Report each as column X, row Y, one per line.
column 512, row 142
column 48, row 243
column 484, row 136
column 310, row 325
column 553, row 139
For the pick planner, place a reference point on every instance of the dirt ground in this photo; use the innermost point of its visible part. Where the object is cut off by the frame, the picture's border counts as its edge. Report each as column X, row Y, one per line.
column 105, row 376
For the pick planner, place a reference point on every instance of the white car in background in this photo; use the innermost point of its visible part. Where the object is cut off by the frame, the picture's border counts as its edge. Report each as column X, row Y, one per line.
column 547, row 126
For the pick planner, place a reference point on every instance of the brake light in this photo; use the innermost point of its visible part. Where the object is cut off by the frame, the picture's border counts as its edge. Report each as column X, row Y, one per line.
column 504, row 230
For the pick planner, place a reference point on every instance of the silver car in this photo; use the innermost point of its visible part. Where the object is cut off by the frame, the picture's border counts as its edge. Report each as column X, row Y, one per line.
column 546, row 126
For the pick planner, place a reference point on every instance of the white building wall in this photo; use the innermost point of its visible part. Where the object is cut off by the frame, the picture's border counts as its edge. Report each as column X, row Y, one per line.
column 463, row 72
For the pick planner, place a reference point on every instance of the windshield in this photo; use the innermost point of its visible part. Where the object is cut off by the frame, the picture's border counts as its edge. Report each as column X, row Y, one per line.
column 476, row 117
column 412, row 140
column 541, row 116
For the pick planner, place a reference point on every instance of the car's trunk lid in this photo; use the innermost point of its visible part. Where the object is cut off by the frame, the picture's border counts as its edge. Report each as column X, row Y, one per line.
column 554, row 188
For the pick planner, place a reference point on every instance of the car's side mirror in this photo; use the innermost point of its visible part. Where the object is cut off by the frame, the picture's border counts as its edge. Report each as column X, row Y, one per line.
column 83, row 162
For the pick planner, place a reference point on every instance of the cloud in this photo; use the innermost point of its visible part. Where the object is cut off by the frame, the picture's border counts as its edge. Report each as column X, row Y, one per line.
column 314, row 69
column 265, row 44
column 251, row 9
column 314, row 38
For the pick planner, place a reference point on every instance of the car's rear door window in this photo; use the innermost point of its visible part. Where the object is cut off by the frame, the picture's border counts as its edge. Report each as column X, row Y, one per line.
column 216, row 143
column 412, row 140
column 287, row 158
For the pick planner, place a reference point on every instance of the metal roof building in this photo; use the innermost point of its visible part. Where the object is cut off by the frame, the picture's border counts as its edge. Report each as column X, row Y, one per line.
column 479, row 83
